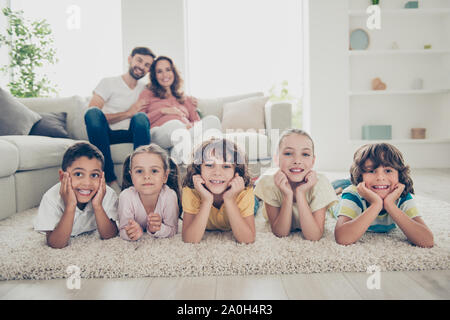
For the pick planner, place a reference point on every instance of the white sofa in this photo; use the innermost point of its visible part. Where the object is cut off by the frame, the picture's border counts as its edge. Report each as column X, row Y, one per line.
column 29, row 164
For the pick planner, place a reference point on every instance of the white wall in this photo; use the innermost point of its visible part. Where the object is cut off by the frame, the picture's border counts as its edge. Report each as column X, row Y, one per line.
column 326, row 93
column 156, row 24
column 4, row 59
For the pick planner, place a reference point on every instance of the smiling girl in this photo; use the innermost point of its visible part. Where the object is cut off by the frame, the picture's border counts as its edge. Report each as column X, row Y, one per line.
column 380, row 198
column 149, row 201
column 295, row 196
column 217, row 193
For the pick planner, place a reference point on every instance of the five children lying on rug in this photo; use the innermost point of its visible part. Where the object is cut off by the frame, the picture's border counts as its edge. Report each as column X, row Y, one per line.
column 217, row 194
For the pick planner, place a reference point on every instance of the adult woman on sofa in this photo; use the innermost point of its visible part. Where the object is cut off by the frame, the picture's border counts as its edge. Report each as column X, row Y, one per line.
column 169, row 110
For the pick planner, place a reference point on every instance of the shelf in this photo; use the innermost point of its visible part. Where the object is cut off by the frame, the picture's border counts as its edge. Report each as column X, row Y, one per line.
column 403, row 141
column 400, row 67
column 396, row 52
column 406, row 12
column 397, row 92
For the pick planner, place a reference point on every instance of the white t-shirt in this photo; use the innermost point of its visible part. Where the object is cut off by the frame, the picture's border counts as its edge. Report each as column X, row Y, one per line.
column 118, row 97
column 51, row 210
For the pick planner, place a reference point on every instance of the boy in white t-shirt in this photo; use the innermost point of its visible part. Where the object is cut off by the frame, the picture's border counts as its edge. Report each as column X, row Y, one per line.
column 81, row 201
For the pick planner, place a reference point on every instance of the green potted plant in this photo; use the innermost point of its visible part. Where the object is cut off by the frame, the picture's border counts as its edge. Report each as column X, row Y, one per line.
column 375, row 2
column 30, row 45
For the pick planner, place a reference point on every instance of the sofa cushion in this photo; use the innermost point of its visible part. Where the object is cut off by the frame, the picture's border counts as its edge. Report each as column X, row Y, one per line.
column 256, row 145
column 214, row 106
column 52, row 124
column 15, row 118
column 9, row 158
column 7, row 197
column 120, row 151
column 75, row 107
column 37, row 152
column 244, row 114
column 210, row 107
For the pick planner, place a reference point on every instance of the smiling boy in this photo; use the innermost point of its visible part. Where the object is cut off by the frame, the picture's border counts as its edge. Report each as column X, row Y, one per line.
column 380, row 198
column 81, row 201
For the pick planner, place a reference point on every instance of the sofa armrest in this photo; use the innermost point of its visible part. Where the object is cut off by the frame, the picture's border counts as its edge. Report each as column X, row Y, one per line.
column 278, row 115
column 214, row 106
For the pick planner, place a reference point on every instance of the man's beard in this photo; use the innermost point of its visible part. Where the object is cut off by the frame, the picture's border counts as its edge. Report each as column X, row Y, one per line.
column 134, row 75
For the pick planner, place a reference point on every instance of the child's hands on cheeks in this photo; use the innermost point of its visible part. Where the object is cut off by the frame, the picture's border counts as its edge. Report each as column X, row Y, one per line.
column 310, row 181
column 97, row 200
column 368, row 194
column 134, row 230
column 236, row 186
column 66, row 191
column 394, row 195
column 199, row 186
column 154, row 222
column 282, row 182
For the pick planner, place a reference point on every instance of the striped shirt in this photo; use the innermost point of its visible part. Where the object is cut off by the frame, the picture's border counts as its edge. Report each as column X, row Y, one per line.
column 352, row 205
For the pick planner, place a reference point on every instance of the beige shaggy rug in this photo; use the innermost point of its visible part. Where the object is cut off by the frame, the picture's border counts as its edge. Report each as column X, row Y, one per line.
column 24, row 254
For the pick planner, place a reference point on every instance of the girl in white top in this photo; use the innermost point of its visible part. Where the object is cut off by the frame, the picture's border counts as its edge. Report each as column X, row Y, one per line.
column 295, row 196
column 150, row 199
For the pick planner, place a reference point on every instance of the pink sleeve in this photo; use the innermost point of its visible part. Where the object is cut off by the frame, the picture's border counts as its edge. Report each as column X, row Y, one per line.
column 146, row 94
column 169, row 215
column 125, row 213
column 154, row 107
column 193, row 115
column 153, row 115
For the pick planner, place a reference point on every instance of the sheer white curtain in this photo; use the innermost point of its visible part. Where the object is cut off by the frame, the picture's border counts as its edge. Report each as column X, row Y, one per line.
column 88, row 39
column 241, row 46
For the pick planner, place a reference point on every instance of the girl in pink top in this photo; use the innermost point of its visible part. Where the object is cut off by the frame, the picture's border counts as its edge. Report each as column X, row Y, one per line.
column 168, row 109
column 150, row 200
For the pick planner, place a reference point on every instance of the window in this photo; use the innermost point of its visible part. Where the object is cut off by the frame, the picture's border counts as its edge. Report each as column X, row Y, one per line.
column 239, row 46
column 88, row 39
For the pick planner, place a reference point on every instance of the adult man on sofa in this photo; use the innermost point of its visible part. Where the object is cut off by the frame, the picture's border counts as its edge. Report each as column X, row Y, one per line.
column 114, row 114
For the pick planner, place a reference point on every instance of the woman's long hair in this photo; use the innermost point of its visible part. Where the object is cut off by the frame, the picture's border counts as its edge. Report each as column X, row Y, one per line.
column 158, row 90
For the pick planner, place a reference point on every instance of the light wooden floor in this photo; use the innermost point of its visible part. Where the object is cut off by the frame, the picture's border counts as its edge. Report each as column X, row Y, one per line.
column 433, row 183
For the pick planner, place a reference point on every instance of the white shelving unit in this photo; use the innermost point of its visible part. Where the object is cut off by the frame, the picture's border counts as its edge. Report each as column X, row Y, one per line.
column 406, row 141
column 397, row 52
column 403, row 11
column 399, row 105
column 398, row 92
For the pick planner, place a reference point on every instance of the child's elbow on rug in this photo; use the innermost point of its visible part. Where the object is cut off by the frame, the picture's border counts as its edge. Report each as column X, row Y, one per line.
column 56, row 245
column 425, row 243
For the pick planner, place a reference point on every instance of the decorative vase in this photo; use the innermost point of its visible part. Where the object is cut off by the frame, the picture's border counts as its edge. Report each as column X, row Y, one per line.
column 418, row 133
column 412, row 5
column 417, row 84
